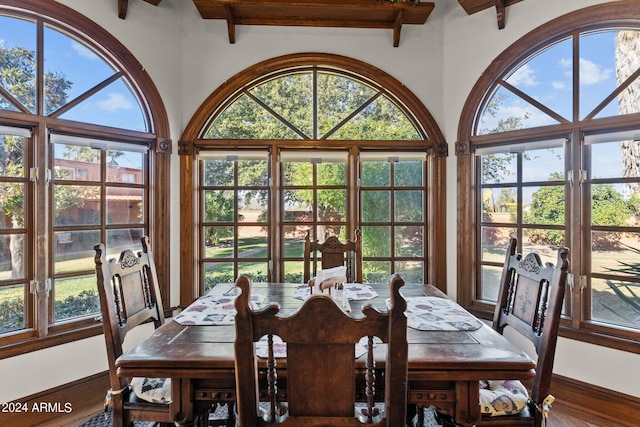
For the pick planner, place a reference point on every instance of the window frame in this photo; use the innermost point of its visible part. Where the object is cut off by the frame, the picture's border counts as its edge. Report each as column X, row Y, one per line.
column 75, row 25
column 620, row 15
column 191, row 142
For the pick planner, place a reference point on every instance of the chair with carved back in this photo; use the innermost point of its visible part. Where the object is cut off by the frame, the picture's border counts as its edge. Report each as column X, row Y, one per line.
column 530, row 301
column 321, row 378
column 333, row 253
column 129, row 296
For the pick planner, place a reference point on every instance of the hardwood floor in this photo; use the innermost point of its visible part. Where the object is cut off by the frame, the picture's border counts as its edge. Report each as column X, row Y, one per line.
column 564, row 416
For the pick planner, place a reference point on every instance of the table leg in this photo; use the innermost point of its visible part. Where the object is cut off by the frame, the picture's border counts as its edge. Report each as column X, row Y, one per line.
column 467, row 403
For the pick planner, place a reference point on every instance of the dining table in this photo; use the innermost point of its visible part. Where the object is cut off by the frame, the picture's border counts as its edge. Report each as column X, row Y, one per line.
column 449, row 350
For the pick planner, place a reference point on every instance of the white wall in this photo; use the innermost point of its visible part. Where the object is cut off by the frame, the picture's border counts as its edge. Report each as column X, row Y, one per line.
column 188, row 58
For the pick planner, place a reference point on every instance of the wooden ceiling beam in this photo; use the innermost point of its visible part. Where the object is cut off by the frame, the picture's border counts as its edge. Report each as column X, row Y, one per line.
column 123, row 5
column 474, row 6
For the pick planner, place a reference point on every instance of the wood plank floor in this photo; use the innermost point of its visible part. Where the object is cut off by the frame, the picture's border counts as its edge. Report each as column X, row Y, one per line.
column 564, row 416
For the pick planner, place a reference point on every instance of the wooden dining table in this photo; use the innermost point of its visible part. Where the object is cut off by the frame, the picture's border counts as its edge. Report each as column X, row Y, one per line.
column 444, row 366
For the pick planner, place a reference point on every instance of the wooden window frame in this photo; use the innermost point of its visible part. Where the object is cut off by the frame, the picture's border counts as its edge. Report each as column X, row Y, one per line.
column 191, row 142
column 60, row 16
column 624, row 14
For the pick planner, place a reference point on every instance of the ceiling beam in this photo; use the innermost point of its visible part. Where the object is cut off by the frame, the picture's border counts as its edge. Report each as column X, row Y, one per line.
column 123, row 5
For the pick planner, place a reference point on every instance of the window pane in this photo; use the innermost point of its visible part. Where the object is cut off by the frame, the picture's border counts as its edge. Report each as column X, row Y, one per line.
column 615, row 159
column 544, row 242
column 219, row 242
column 490, row 282
column 612, row 205
column 12, row 308
column 408, row 205
column 71, row 69
column 252, row 242
column 330, row 173
column 18, row 65
column 291, row 97
column 376, row 241
column 499, row 205
column 547, row 77
column 12, row 256
column 218, row 205
column 114, row 106
column 298, row 173
column 293, row 271
column 615, row 253
column 76, row 205
column 257, row 271
column 123, row 238
column 494, row 242
column 380, row 120
column 332, row 205
column 409, row 241
column 545, row 205
column 76, row 163
column 551, row 158
column 507, row 111
column 216, row 273
column 376, row 271
column 411, row 271
column 253, row 206
column 252, row 173
column 408, row 174
column 498, row 168
column 75, row 297
column 376, row 174
column 338, row 96
column 246, row 119
column 218, row 173
column 11, row 205
column 616, row 302
column 12, row 155
column 124, row 205
column 125, row 166
column 74, row 250
column 376, row 206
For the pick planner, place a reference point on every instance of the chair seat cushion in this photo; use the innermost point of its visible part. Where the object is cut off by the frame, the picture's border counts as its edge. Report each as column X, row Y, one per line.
column 504, row 397
column 153, row 390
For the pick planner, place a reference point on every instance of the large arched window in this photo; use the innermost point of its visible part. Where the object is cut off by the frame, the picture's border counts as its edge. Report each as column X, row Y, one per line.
column 316, row 143
column 80, row 128
column 548, row 152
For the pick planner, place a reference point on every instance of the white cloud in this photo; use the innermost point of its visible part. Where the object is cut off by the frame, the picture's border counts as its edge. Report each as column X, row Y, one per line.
column 558, row 85
column 592, row 73
column 114, row 102
column 523, row 76
column 83, row 51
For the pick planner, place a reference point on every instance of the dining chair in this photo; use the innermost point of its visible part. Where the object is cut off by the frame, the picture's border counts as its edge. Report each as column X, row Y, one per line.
column 130, row 296
column 323, row 372
column 333, row 253
column 530, row 301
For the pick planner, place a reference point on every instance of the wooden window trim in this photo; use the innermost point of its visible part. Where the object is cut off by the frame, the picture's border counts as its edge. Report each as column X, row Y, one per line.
column 190, row 142
column 590, row 18
column 58, row 15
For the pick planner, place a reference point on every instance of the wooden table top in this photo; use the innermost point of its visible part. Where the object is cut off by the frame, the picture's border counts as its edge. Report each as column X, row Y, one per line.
column 180, row 351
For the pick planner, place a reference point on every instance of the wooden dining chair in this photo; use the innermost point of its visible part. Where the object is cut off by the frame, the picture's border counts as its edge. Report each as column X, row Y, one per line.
column 320, row 379
column 333, row 253
column 530, row 301
column 129, row 296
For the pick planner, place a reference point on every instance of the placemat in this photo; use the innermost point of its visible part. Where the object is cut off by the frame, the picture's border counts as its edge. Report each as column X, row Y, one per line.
column 280, row 347
column 214, row 310
column 438, row 314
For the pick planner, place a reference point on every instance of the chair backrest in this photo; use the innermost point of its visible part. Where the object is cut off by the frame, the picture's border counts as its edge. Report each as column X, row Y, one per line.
column 322, row 376
column 530, row 301
column 129, row 296
column 333, row 253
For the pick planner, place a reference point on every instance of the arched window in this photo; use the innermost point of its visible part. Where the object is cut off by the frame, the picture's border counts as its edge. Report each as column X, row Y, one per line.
column 320, row 144
column 548, row 152
column 80, row 126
